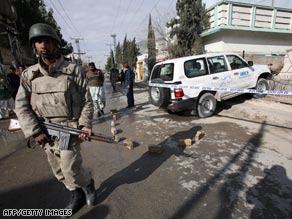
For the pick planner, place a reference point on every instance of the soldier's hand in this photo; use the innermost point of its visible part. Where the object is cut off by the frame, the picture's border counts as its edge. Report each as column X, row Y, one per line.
column 85, row 137
column 41, row 138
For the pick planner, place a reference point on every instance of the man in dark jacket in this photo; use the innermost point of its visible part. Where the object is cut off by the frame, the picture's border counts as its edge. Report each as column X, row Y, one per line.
column 14, row 81
column 129, row 83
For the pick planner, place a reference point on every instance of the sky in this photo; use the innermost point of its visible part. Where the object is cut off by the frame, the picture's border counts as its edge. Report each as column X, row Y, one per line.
column 95, row 21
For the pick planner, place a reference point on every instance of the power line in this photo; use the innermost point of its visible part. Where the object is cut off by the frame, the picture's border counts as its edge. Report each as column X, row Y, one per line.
column 132, row 19
column 69, row 18
column 62, row 17
column 140, row 24
column 124, row 15
column 116, row 17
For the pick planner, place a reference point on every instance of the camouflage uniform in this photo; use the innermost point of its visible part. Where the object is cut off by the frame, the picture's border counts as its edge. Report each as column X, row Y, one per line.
column 59, row 93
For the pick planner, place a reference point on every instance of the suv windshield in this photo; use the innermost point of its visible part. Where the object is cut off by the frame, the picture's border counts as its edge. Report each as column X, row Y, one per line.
column 164, row 71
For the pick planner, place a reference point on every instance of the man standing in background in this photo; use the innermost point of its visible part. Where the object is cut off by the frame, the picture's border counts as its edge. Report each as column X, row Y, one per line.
column 129, row 84
column 14, row 81
column 95, row 79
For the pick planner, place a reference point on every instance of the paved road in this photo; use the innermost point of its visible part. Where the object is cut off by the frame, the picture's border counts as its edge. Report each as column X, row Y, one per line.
column 241, row 168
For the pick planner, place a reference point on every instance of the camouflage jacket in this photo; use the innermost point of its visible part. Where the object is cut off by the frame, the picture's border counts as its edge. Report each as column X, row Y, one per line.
column 95, row 78
column 58, row 92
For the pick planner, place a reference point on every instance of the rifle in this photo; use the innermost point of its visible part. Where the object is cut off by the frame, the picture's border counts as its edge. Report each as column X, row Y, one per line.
column 64, row 133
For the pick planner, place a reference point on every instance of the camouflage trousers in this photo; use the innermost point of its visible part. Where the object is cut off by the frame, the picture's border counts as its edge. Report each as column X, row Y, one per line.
column 67, row 165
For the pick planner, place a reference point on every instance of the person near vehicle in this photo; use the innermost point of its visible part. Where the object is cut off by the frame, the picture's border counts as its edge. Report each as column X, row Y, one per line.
column 6, row 100
column 13, row 80
column 122, row 77
column 20, row 69
column 114, row 74
column 129, row 85
column 56, row 90
column 95, row 79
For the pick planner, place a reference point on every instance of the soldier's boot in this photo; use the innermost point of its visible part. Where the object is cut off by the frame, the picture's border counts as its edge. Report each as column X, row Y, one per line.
column 90, row 193
column 77, row 201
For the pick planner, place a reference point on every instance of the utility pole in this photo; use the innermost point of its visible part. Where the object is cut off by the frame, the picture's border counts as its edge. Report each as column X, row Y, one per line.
column 114, row 39
column 110, row 45
column 79, row 53
column 88, row 58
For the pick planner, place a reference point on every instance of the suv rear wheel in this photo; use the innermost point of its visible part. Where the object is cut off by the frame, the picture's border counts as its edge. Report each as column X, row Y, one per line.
column 206, row 105
column 159, row 96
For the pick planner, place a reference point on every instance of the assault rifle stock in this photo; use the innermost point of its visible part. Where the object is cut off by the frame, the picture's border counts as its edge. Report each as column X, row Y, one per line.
column 64, row 133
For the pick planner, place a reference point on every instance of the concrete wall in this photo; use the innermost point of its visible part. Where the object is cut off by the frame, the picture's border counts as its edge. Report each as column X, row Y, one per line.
column 283, row 81
column 251, row 42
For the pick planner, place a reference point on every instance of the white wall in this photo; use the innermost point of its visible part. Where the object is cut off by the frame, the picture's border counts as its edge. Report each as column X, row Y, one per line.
column 251, row 42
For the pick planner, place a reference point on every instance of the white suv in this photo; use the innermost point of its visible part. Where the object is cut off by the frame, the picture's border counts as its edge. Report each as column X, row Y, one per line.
column 221, row 71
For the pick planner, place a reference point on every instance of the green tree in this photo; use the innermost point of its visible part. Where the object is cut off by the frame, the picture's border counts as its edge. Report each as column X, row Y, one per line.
column 151, row 46
column 108, row 64
column 119, row 55
column 191, row 21
column 31, row 12
column 125, row 53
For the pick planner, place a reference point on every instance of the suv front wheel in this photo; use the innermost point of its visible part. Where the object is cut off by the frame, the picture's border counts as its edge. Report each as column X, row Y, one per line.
column 159, row 96
column 263, row 85
column 206, row 105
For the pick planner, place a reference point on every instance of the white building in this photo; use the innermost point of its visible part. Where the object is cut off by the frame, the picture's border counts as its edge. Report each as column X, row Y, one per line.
column 254, row 29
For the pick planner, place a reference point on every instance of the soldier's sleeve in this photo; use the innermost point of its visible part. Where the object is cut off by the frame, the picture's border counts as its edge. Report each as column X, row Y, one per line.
column 86, row 116
column 26, row 116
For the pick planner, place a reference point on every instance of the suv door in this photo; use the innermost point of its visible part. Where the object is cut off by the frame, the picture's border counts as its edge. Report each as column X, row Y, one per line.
column 220, row 74
column 196, row 74
column 240, row 71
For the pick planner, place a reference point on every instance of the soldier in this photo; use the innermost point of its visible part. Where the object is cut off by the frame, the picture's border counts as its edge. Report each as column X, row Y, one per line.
column 56, row 90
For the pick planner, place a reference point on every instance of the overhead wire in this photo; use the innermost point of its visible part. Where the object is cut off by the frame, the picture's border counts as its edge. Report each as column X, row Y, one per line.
column 56, row 10
column 124, row 15
column 71, row 26
column 136, row 11
column 145, row 18
column 69, row 18
column 116, row 17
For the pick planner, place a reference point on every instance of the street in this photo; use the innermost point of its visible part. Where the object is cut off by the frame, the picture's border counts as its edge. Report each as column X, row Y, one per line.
column 241, row 168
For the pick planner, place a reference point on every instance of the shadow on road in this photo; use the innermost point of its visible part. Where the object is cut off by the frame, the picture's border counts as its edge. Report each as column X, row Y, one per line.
column 49, row 194
column 228, row 104
column 271, row 196
column 100, row 212
column 253, row 121
column 232, row 185
column 143, row 167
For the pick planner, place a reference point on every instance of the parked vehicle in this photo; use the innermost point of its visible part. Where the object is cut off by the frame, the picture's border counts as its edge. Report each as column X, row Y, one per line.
column 224, row 70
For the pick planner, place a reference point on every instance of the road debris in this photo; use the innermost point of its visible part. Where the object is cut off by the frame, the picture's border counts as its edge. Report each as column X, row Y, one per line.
column 199, row 135
column 185, row 142
column 156, row 149
column 129, row 144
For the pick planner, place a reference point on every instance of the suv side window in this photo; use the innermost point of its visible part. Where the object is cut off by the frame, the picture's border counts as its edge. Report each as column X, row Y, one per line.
column 217, row 64
column 195, row 68
column 236, row 62
column 164, row 71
